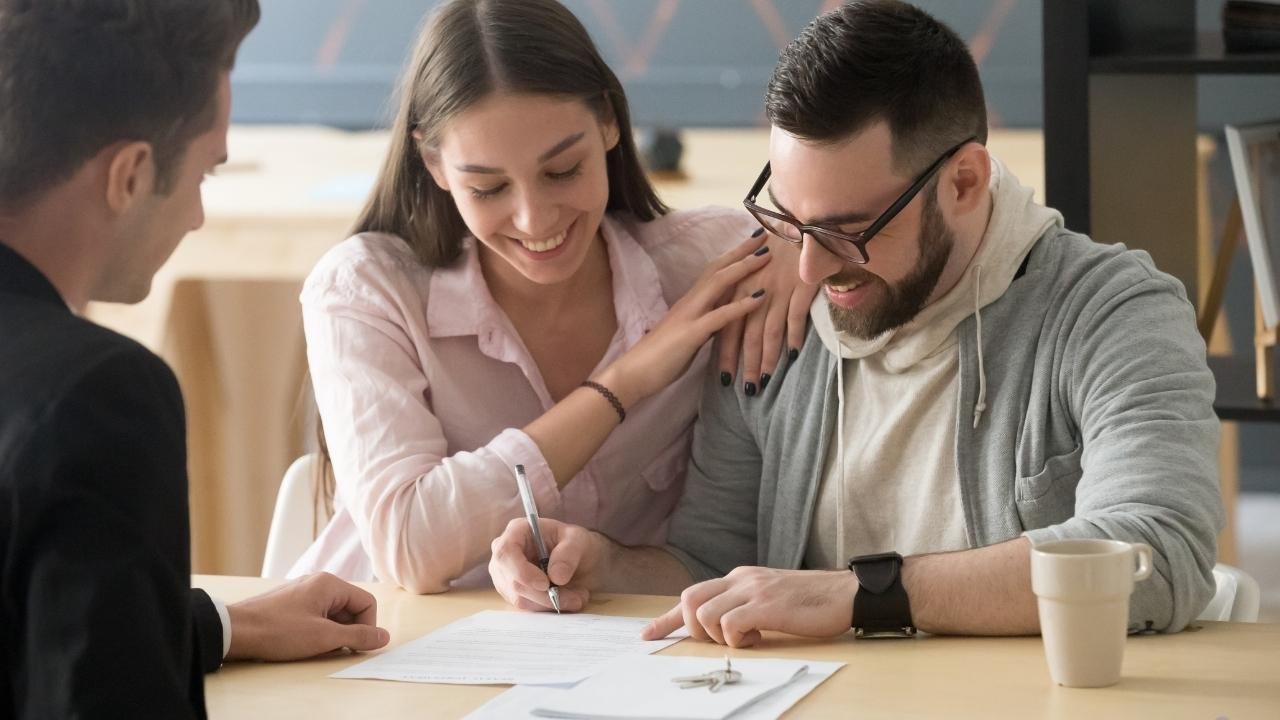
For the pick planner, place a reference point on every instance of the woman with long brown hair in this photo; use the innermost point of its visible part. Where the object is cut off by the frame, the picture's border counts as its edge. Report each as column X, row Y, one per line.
column 515, row 293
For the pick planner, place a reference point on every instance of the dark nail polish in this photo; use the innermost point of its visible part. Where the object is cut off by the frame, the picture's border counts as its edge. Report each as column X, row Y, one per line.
column 764, row 381
column 759, row 231
column 792, row 354
column 750, row 389
column 758, row 293
column 763, row 249
column 726, row 379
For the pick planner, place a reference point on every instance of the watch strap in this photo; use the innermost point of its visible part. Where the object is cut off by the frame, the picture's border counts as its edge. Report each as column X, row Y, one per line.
column 880, row 606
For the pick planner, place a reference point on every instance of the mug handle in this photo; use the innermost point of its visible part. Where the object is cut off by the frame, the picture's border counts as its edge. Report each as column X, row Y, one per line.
column 1143, row 553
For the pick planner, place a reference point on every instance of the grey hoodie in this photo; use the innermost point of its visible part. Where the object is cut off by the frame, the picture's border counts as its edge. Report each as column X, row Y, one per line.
column 888, row 388
column 1099, row 423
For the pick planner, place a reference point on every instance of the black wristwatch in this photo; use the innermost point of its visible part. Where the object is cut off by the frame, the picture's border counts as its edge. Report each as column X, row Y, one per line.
column 880, row 607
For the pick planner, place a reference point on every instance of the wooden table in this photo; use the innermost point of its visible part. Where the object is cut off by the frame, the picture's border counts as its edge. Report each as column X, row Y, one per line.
column 1221, row 670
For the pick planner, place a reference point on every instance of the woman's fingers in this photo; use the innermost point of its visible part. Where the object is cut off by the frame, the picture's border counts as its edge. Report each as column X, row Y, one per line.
column 798, row 318
column 739, row 252
column 775, row 325
column 712, row 287
column 752, row 341
column 711, row 322
column 730, row 337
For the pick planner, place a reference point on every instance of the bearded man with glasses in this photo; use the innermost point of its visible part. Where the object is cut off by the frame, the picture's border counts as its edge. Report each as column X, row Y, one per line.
column 978, row 379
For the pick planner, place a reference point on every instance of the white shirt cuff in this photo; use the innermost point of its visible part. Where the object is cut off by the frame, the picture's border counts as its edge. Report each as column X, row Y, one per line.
column 225, row 617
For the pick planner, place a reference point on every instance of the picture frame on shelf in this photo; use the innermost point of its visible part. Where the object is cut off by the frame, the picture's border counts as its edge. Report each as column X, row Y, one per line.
column 1255, row 164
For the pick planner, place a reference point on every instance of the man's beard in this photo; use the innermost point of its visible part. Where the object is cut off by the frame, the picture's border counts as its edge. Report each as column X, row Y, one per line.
column 907, row 298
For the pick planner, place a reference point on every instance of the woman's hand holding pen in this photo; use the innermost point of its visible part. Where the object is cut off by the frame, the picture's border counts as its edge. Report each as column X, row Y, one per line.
column 575, row 554
column 663, row 354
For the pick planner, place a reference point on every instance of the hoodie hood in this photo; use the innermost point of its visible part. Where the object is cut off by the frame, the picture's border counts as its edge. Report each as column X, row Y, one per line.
column 1016, row 223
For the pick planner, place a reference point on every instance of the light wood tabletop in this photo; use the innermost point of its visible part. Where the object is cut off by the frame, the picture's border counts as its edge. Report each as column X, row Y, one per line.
column 1218, row 670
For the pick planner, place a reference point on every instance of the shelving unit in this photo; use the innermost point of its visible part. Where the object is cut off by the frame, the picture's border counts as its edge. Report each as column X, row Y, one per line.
column 1120, row 153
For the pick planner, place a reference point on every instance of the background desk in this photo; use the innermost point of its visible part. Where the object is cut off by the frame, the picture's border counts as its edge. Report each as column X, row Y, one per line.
column 1222, row 670
column 224, row 310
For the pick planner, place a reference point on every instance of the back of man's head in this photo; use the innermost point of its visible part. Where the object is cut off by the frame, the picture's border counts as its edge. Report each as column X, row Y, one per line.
column 879, row 60
column 77, row 76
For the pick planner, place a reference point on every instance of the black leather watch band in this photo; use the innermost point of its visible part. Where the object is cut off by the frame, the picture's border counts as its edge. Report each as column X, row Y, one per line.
column 880, row 607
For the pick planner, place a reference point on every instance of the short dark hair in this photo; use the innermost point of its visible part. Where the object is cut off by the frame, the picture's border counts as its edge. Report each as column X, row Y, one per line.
column 874, row 60
column 79, row 75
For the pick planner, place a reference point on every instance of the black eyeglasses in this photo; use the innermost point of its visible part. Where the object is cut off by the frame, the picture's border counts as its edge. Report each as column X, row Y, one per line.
column 852, row 248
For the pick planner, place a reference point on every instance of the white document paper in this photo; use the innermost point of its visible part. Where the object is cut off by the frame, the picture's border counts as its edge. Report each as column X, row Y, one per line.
column 507, row 648
column 519, row 702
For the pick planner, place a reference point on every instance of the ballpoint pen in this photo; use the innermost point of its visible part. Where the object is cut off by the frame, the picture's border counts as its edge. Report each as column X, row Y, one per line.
column 531, row 514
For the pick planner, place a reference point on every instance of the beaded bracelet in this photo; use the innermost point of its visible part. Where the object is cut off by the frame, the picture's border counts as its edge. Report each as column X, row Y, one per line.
column 608, row 395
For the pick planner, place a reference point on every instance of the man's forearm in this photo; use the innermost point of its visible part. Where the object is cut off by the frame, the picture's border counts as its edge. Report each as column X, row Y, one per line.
column 642, row 569
column 985, row 591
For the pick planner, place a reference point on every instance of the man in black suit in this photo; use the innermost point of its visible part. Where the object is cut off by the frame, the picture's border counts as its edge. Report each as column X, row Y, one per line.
column 111, row 113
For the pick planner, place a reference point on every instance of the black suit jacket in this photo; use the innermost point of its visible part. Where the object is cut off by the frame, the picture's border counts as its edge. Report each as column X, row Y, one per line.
column 97, row 614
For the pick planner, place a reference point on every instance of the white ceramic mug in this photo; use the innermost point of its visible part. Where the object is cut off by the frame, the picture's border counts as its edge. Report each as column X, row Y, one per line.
column 1083, row 587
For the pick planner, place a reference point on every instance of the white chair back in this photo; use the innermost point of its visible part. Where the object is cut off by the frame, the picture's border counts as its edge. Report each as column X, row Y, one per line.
column 294, row 522
column 1236, row 598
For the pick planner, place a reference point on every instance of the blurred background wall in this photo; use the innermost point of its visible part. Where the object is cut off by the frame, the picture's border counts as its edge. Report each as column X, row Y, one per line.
column 705, row 63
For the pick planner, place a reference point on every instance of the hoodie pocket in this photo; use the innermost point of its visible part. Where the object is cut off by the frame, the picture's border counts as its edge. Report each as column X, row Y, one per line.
column 1049, row 497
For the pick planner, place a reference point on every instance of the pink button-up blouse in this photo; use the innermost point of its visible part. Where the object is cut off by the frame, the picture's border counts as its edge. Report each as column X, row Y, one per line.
column 423, row 385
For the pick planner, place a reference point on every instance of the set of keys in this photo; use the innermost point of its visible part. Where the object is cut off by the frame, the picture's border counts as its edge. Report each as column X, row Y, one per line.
column 713, row 680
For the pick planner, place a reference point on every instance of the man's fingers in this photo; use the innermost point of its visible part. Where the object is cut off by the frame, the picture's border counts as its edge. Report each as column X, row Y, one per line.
column 665, row 624
column 747, row 639
column 693, row 598
column 714, row 608
column 350, row 601
column 358, row 636
column 740, row 626
column 689, row 616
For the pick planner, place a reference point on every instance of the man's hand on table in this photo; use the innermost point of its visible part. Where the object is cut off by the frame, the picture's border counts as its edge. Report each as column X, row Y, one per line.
column 304, row 618
column 735, row 609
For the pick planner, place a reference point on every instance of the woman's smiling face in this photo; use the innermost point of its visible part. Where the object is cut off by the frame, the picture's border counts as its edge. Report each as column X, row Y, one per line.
column 529, row 177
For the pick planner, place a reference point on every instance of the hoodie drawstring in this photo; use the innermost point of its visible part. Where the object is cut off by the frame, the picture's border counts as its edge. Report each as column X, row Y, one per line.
column 840, row 472
column 980, row 406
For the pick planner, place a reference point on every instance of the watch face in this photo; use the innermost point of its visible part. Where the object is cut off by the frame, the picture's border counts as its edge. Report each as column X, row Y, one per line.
column 875, row 558
column 863, row 560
